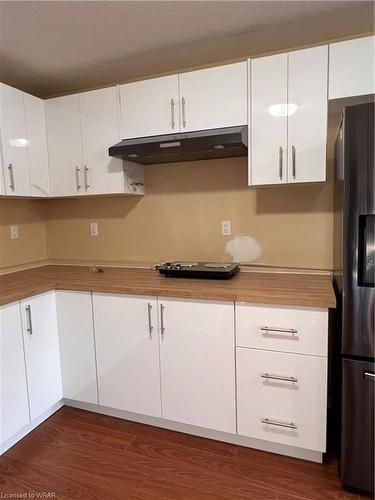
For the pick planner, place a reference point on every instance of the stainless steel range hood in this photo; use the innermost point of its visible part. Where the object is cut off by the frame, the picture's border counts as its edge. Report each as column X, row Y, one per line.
column 202, row 145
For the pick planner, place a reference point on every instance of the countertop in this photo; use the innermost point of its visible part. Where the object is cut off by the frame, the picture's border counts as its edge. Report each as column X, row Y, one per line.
column 312, row 290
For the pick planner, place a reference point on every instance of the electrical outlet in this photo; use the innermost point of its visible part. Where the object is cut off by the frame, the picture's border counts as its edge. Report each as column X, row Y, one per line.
column 14, row 232
column 94, row 229
column 226, row 227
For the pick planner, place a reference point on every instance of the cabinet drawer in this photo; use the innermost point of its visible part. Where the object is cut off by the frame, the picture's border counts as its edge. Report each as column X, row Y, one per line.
column 295, row 377
column 294, row 424
column 291, row 329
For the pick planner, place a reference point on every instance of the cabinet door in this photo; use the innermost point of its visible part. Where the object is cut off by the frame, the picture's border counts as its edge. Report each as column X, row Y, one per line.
column 307, row 126
column 2, row 192
column 64, row 145
column 42, row 354
column 127, row 348
column 268, row 122
column 14, row 142
column 37, row 145
column 351, row 68
column 150, row 107
column 197, row 362
column 100, row 118
column 214, row 97
column 77, row 347
column 14, row 402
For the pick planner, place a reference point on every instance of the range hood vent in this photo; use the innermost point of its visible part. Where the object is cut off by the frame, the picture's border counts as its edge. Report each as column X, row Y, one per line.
column 189, row 146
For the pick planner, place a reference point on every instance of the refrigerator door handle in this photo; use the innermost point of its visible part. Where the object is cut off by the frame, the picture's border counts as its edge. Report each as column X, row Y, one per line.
column 369, row 376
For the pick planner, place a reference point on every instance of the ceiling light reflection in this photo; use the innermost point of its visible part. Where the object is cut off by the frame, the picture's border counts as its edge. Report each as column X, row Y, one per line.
column 282, row 109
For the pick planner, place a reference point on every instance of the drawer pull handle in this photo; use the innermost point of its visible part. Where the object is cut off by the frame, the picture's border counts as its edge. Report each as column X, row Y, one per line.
column 277, row 423
column 269, row 329
column 279, row 377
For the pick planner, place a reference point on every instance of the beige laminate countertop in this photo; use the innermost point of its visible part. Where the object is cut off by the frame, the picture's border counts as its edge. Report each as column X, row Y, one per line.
column 266, row 288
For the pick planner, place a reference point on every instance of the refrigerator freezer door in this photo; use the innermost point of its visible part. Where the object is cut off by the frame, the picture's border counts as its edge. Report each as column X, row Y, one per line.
column 358, row 297
column 357, row 445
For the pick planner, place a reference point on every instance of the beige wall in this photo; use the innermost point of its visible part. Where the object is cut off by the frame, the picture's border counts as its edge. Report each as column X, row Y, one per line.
column 31, row 247
column 180, row 217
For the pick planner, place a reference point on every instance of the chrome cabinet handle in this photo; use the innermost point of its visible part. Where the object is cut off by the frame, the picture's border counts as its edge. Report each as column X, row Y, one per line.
column 293, row 162
column 369, row 376
column 183, row 102
column 78, row 185
column 280, row 163
column 12, row 184
column 268, row 329
column 150, row 327
column 87, row 184
column 277, row 423
column 29, row 327
column 173, row 121
column 162, row 327
column 279, row 377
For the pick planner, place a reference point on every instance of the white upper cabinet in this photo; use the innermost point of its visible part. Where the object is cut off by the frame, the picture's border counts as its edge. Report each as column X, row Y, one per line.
column 77, row 347
column 13, row 388
column 42, row 354
column 307, row 125
column 268, row 120
column 150, row 107
column 80, row 130
column 100, row 119
column 289, row 117
column 127, row 349
column 64, row 145
column 214, row 97
column 198, row 100
column 37, row 145
column 351, row 68
column 14, row 142
column 24, row 145
column 197, row 362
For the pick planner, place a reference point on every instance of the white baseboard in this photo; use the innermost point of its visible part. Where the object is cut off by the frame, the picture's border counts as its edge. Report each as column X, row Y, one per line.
column 30, row 427
column 259, row 444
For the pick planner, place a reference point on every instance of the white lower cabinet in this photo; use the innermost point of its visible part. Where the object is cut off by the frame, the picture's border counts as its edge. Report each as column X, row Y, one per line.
column 197, row 362
column 282, row 421
column 127, row 348
column 172, row 359
column 13, row 388
column 77, row 346
column 41, row 344
column 302, row 330
column 282, row 375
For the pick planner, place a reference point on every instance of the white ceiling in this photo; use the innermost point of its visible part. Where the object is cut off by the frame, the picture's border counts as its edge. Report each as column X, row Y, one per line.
column 55, row 47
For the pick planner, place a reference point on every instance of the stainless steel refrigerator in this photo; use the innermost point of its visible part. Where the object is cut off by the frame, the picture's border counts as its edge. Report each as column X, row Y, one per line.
column 354, row 279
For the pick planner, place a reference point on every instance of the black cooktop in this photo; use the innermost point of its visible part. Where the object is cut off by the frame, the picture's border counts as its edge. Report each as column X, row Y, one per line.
column 201, row 270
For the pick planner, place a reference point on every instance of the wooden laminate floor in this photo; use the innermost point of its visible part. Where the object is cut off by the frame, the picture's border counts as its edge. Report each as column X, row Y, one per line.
column 82, row 455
